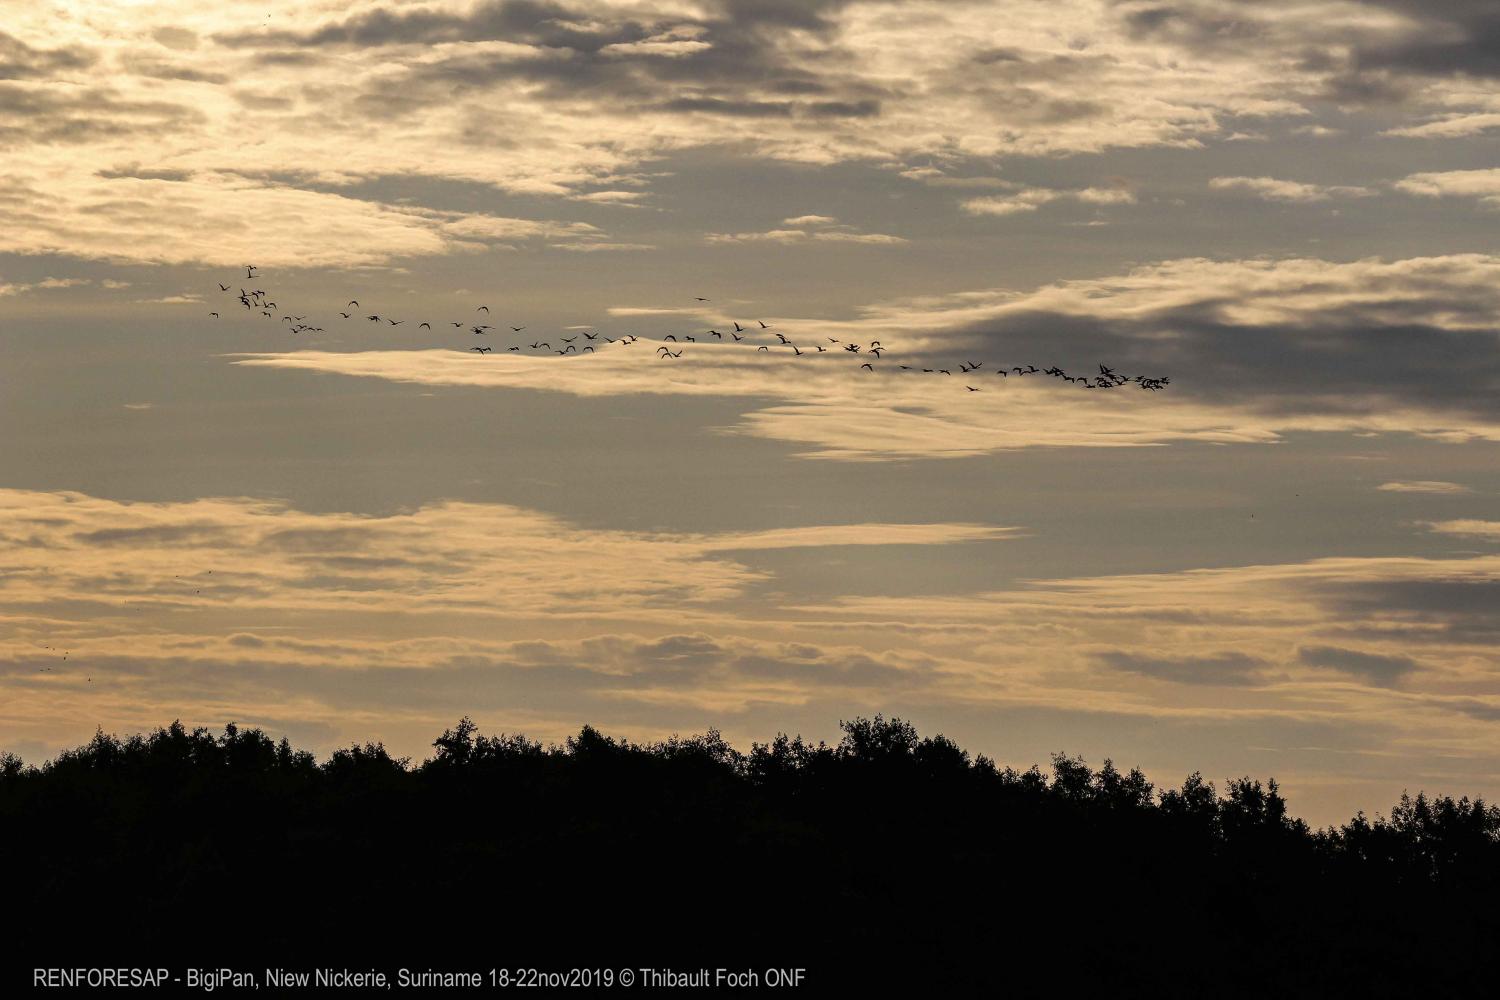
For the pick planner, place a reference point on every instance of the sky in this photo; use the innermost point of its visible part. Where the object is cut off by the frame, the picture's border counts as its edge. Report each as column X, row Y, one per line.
column 1285, row 562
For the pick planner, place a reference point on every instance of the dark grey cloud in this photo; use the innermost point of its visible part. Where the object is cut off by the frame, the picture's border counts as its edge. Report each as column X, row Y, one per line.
column 67, row 115
column 1376, row 668
column 1198, row 26
column 1368, row 65
column 139, row 172
column 743, row 67
column 1348, row 360
column 156, row 68
column 1454, row 610
column 735, row 109
column 19, row 61
column 1446, row 38
column 1221, row 669
column 190, row 535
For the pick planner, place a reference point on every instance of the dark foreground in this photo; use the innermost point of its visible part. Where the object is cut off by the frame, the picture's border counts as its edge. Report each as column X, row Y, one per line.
column 888, row 859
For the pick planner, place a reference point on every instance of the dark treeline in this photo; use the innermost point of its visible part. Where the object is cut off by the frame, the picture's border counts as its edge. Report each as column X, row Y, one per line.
column 887, row 858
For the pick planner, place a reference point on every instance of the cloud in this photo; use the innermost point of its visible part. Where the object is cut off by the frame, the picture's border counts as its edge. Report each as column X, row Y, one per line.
column 1255, row 349
column 1030, row 199
column 1440, row 39
column 392, row 624
column 934, row 177
column 1377, row 668
column 20, row 61
column 1224, row 669
column 1272, row 189
column 45, row 284
column 1467, row 528
column 807, row 229
column 438, row 558
column 1454, row 126
column 1481, row 184
column 134, row 216
column 592, row 93
column 1423, row 486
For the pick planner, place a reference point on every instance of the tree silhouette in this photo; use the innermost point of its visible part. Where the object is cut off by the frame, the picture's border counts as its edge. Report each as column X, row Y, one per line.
column 887, row 858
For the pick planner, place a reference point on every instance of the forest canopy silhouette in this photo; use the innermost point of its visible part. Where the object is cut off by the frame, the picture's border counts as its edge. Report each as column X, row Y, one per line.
column 886, row 856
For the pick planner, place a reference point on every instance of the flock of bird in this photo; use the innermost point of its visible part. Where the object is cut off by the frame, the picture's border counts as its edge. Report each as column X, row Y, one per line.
column 256, row 300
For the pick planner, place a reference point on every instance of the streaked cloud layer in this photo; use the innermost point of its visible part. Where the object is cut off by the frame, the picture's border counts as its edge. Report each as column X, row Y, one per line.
column 171, row 132
column 1256, row 334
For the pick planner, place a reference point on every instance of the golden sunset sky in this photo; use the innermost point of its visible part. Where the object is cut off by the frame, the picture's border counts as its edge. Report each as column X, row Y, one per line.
column 1286, row 563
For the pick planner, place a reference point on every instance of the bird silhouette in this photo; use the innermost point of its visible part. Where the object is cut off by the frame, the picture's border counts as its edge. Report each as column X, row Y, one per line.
column 1108, row 378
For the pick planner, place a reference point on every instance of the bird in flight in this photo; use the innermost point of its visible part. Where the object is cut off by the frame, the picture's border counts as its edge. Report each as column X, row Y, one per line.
column 1108, row 378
